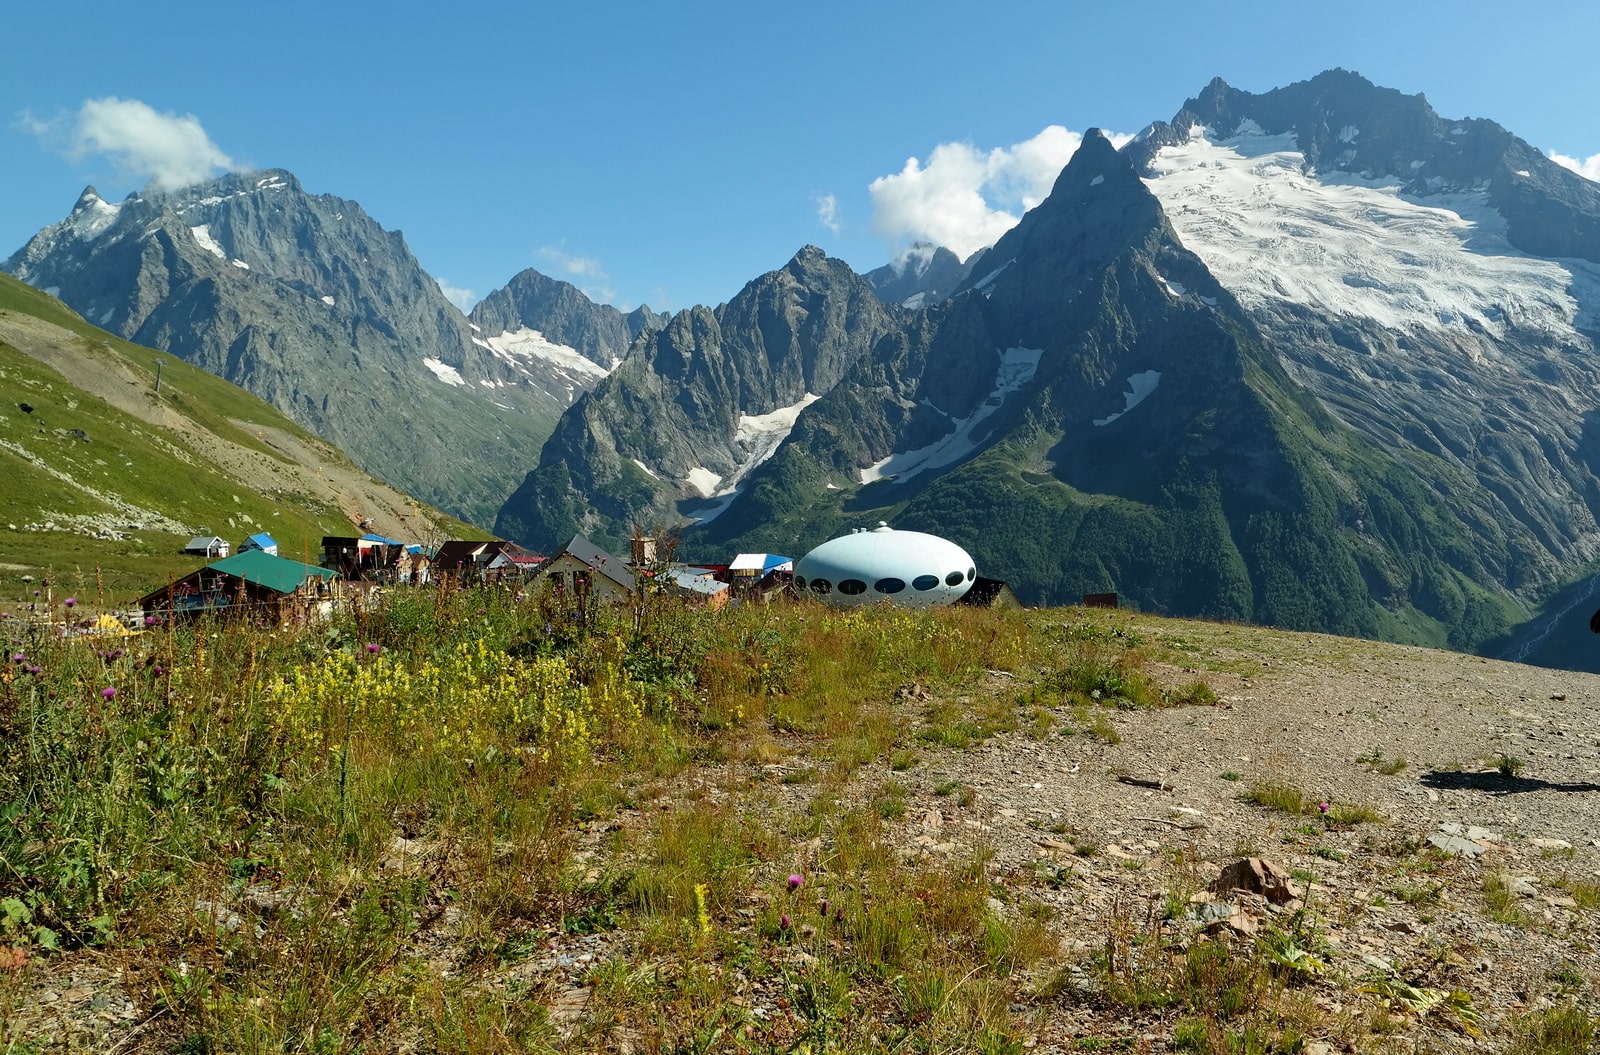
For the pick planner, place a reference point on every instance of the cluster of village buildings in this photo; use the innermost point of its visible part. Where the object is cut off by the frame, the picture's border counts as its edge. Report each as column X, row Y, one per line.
column 260, row 579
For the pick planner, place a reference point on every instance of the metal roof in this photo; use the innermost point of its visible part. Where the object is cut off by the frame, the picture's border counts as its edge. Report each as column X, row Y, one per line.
column 762, row 562
column 274, row 573
column 600, row 561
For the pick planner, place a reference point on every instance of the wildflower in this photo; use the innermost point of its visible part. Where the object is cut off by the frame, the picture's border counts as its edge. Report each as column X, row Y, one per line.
column 19, row 658
column 796, row 881
column 373, row 647
column 159, row 670
column 784, row 922
column 1322, row 807
column 150, row 620
column 35, row 670
column 70, row 602
column 702, row 913
column 822, row 906
column 108, row 692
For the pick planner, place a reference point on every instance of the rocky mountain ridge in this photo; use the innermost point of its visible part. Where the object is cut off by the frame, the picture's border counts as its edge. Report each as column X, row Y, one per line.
column 308, row 302
column 1154, row 385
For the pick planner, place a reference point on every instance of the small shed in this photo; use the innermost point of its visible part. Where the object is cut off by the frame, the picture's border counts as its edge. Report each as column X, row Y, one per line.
column 212, row 548
column 699, row 584
column 262, row 541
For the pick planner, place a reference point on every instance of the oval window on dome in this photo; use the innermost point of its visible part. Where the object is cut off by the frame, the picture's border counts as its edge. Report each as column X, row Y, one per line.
column 799, row 582
column 954, row 579
column 852, row 586
column 924, row 582
column 821, row 586
column 889, row 585
column 972, row 573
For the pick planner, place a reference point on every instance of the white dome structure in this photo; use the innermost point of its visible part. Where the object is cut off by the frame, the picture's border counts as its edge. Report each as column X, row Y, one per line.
column 868, row 566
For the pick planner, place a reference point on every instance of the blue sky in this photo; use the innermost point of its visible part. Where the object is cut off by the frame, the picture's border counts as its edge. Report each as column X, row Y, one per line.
column 667, row 154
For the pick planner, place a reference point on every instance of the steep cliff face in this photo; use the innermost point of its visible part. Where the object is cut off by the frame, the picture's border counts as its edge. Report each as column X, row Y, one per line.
column 698, row 404
column 309, row 303
column 563, row 316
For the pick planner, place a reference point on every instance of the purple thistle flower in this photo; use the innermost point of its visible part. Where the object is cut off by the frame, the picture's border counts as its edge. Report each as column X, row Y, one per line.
column 19, row 658
column 796, row 881
column 159, row 670
column 35, row 670
column 373, row 647
column 108, row 692
column 70, row 602
column 1322, row 807
column 784, row 922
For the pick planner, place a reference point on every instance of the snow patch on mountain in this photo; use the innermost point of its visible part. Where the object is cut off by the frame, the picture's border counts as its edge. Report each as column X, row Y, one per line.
column 1346, row 245
column 703, row 480
column 93, row 215
column 986, row 283
column 1017, row 367
column 445, row 372
column 527, row 347
column 760, row 435
column 202, row 235
column 1139, row 388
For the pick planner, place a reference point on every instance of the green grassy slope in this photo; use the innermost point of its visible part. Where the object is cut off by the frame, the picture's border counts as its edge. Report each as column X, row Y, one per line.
column 100, row 452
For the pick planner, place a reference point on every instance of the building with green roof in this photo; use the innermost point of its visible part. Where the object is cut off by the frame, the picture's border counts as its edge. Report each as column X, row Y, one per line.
column 252, row 583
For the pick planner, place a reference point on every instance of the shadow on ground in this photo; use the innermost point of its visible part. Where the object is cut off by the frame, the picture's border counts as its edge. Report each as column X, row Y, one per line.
column 1497, row 783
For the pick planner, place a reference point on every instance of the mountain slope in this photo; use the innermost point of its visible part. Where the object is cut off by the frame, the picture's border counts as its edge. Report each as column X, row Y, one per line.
column 1389, row 255
column 1097, row 413
column 920, row 277
column 697, row 405
column 1103, row 406
column 100, row 474
column 309, row 303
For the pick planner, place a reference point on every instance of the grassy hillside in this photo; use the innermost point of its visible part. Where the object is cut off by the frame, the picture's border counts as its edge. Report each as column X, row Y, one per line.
column 102, row 479
column 469, row 823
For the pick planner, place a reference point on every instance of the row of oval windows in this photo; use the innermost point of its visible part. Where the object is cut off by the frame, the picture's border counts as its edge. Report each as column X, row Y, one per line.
column 886, row 586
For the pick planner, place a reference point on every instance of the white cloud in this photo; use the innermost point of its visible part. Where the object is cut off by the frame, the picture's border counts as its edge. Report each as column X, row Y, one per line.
column 460, row 296
column 828, row 212
column 598, row 288
column 1588, row 167
column 167, row 149
column 963, row 198
column 583, row 266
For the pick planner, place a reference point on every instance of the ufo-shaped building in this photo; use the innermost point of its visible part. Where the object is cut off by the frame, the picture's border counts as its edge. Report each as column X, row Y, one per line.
column 868, row 566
